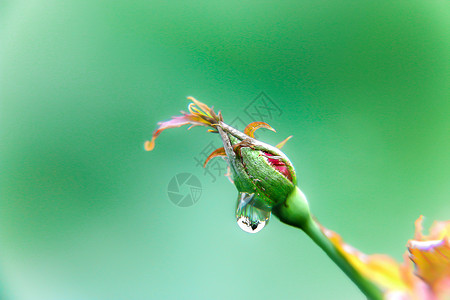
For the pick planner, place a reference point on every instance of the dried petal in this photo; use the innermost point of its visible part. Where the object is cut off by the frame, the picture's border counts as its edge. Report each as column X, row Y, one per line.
column 208, row 111
column 176, row 121
column 198, row 116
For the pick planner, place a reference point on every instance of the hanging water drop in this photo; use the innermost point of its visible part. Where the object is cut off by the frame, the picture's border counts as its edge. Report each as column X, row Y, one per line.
column 252, row 214
column 251, row 226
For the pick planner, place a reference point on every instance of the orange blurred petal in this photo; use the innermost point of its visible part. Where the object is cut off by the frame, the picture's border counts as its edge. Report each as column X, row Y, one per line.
column 382, row 270
column 431, row 256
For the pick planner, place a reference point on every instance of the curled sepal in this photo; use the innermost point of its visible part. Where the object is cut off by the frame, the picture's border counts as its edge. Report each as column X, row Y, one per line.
column 221, row 152
column 252, row 127
column 200, row 115
column 282, row 143
column 252, row 215
column 218, row 152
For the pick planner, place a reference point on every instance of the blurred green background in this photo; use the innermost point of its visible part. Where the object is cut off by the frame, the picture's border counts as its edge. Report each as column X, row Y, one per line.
column 84, row 211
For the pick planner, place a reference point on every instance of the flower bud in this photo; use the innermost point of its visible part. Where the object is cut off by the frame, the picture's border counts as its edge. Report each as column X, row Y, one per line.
column 262, row 174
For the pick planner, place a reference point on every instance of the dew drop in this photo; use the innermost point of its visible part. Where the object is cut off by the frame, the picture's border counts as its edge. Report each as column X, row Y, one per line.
column 252, row 214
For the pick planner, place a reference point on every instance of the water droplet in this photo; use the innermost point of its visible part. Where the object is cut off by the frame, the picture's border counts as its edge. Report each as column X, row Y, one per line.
column 252, row 214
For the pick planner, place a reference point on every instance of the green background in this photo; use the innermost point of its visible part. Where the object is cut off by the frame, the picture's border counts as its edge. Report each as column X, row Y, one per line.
column 84, row 214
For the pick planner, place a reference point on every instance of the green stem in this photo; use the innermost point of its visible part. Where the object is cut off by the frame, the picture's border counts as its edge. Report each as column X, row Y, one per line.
column 295, row 212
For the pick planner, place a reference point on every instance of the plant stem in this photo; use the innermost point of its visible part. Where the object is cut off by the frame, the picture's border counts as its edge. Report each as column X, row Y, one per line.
column 295, row 212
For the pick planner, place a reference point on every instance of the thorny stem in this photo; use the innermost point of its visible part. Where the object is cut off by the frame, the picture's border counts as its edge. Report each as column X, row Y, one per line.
column 295, row 212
